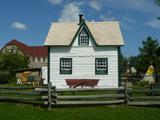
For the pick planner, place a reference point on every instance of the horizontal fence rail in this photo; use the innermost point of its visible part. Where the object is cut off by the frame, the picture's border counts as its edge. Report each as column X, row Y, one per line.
column 22, row 94
column 88, row 89
column 91, row 96
column 150, row 103
column 86, row 102
column 88, row 96
column 18, row 98
column 144, row 97
column 16, row 87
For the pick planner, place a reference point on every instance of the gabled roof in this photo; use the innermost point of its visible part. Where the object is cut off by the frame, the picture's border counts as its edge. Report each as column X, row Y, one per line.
column 104, row 33
column 34, row 51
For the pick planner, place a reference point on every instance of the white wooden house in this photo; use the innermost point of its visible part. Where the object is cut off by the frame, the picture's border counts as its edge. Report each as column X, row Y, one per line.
column 84, row 50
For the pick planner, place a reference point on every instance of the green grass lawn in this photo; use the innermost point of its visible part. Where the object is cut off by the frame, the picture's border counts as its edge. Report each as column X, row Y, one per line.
column 12, row 111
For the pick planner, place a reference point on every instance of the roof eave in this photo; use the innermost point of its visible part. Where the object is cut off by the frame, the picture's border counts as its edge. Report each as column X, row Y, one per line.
column 71, row 45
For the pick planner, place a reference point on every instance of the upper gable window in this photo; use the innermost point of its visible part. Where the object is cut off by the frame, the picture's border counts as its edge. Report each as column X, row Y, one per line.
column 83, row 38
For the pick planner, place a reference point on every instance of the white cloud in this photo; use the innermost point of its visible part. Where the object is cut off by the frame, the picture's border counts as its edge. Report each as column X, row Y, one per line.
column 19, row 26
column 70, row 12
column 154, row 24
column 92, row 20
column 135, row 5
column 127, row 23
column 107, row 17
column 95, row 5
column 55, row 2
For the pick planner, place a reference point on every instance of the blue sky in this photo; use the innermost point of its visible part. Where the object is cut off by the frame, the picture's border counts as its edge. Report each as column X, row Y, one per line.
column 29, row 20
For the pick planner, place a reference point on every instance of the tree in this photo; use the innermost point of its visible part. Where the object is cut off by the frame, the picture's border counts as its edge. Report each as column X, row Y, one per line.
column 158, row 52
column 133, row 61
column 147, row 56
column 124, row 63
column 148, row 49
column 12, row 61
column 157, row 2
column 158, row 60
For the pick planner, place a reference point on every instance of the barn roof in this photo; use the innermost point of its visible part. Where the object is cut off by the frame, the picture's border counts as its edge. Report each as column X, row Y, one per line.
column 34, row 51
column 104, row 33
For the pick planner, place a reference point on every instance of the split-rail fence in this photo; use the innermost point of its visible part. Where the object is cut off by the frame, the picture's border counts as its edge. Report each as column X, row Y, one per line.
column 52, row 97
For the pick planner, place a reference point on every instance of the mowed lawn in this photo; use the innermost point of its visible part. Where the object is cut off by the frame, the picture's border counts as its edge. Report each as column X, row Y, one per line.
column 11, row 111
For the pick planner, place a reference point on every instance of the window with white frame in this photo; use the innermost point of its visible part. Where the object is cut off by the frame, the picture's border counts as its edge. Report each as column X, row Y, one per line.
column 101, row 66
column 65, row 65
column 83, row 38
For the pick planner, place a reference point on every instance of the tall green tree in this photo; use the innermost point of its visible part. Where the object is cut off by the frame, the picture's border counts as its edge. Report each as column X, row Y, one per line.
column 147, row 56
column 11, row 61
column 149, row 48
column 124, row 63
column 157, row 2
column 158, row 52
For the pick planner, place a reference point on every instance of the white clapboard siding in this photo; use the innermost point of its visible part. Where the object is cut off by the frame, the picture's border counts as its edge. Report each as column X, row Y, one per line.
column 83, row 64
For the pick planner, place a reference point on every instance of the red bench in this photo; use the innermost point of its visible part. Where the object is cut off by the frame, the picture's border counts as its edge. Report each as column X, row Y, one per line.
column 73, row 83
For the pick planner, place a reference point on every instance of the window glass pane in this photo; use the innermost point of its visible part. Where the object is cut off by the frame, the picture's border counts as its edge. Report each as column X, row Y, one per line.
column 65, row 65
column 101, row 65
column 83, row 38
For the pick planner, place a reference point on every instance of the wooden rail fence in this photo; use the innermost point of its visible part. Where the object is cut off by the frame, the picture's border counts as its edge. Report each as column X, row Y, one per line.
column 83, row 96
column 144, row 97
column 52, row 97
column 20, row 94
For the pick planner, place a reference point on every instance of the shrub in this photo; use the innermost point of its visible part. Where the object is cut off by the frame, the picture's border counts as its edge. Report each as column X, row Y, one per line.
column 4, row 77
column 144, row 83
column 13, row 79
column 141, row 84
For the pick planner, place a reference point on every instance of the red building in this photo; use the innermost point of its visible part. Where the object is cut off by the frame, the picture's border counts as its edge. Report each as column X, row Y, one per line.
column 37, row 54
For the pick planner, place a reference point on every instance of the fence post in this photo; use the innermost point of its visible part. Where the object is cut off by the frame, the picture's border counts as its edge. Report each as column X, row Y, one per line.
column 125, row 94
column 54, row 95
column 49, row 96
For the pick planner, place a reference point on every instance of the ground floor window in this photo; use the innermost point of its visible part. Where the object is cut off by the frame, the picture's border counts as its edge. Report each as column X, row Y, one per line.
column 101, row 66
column 65, row 65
